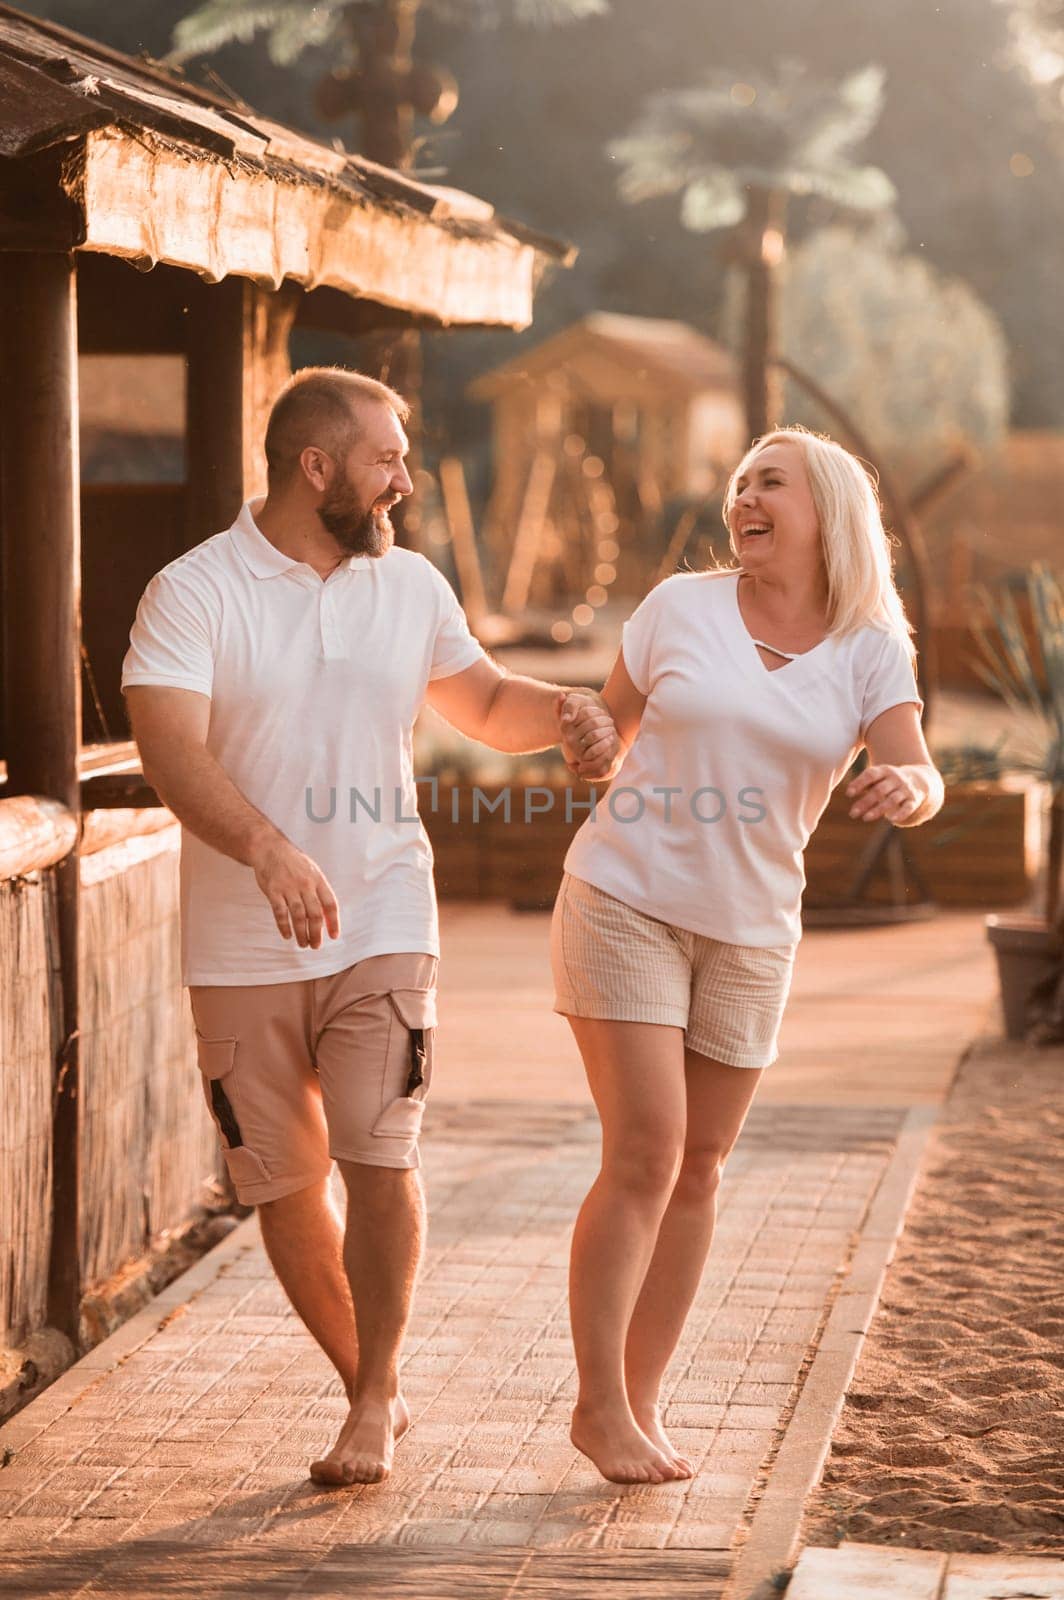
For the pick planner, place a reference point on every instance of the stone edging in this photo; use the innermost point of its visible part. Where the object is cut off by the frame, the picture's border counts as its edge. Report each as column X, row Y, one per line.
column 770, row 1546
column 142, row 1326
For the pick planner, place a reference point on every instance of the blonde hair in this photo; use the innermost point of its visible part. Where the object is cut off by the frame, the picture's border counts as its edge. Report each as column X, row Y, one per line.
column 857, row 548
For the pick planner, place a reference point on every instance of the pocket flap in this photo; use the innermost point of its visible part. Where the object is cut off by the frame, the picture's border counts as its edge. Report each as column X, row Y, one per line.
column 216, row 1056
column 400, row 1120
column 416, row 1007
column 244, row 1167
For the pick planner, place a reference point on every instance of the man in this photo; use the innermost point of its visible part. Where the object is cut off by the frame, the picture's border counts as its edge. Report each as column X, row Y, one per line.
column 273, row 678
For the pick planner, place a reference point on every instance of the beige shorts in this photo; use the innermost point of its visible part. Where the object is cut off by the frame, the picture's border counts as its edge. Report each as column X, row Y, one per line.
column 300, row 1074
column 613, row 962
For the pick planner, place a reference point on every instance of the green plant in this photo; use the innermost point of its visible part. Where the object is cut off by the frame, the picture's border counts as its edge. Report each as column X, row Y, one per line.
column 1024, row 664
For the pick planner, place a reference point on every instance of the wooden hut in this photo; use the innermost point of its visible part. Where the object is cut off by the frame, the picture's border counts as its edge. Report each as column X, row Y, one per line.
column 145, row 219
column 652, row 405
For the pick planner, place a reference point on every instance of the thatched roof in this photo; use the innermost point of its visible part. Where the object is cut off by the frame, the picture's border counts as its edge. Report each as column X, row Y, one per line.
column 646, row 351
column 100, row 152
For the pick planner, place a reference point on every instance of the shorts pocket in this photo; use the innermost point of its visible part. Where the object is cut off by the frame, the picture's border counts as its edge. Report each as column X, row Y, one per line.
column 415, row 1024
column 217, row 1059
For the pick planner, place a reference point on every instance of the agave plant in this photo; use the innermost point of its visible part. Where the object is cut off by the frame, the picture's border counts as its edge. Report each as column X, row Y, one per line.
column 735, row 152
column 1025, row 666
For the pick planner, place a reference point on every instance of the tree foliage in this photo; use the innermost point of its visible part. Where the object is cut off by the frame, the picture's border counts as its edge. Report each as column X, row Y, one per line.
column 538, row 110
column 790, row 132
column 291, row 26
column 913, row 355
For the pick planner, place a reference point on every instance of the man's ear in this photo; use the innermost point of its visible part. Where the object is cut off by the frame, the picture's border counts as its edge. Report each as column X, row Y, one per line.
column 317, row 467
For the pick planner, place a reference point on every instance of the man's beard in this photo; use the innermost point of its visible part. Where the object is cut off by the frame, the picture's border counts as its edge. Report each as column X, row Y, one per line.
column 358, row 532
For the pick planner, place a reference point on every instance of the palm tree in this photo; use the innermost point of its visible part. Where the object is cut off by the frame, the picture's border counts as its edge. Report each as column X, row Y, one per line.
column 375, row 77
column 378, row 82
column 736, row 152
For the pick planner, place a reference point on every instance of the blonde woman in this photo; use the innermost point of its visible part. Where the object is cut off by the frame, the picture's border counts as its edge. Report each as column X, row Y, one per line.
column 741, row 698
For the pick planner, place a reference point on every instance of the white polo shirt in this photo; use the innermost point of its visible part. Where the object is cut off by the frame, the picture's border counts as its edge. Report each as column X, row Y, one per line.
column 314, row 690
column 705, row 823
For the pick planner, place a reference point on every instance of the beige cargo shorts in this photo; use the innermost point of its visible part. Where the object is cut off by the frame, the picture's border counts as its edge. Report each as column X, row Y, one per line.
column 297, row 1075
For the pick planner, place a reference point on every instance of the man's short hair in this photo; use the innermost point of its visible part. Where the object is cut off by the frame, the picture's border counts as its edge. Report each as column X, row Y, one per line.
column 320, row 406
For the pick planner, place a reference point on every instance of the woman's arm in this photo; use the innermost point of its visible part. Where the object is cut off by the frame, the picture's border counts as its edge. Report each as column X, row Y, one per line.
column 901, row 783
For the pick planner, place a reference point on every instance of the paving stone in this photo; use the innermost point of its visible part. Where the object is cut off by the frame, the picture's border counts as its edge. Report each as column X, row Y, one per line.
column 875, row 1572
column 1004, row 1578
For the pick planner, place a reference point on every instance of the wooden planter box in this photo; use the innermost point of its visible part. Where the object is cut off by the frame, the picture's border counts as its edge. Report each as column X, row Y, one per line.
column 983, row 848
column 492, row 858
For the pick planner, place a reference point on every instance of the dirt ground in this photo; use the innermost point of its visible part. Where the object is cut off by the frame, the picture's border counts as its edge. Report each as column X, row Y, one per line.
column 952, row 1436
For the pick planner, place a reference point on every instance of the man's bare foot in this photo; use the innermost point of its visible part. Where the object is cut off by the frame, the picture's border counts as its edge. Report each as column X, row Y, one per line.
column 620, row 1450
column 363, row 1452
column 649, row 1420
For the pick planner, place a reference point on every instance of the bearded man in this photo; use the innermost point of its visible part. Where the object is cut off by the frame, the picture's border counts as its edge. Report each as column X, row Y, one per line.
column 279, row 663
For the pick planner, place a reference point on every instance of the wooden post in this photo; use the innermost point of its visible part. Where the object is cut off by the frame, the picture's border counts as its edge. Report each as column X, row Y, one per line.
column 237, row 361
column 42, row 669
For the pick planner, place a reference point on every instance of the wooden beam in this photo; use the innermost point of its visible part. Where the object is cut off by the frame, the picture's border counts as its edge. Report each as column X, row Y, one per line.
column 37, row 212
column 101, row 829
column 34, row 834
column 41, row 533
column 463, row 540
column 119, row 791
column 237, row 360
column 42, row 666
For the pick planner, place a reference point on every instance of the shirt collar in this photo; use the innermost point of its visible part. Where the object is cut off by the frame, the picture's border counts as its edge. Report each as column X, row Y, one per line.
column 262, row 558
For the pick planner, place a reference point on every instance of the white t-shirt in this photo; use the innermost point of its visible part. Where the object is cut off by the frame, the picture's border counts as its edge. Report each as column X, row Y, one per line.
column 751, row 754
column 314, row 690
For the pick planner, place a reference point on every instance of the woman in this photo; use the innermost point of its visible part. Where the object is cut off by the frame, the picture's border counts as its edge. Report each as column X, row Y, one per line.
column 741, row 698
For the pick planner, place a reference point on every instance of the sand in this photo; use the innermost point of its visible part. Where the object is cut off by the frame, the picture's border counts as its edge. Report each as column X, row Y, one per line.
column 952, row 1435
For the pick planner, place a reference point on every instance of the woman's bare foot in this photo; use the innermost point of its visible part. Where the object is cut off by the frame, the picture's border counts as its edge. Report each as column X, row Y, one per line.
column 363, row 1452
column 649, row 1420
column 619, row 1449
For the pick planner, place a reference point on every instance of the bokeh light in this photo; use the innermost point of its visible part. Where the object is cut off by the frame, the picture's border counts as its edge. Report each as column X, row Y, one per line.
column 561, row 632
column 582, row 615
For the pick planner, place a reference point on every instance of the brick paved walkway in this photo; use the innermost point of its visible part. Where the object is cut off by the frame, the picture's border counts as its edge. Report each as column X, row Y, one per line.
column 201, row 1436
column 173, row 1460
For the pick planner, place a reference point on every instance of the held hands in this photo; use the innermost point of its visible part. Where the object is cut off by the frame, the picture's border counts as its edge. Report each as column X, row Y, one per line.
column 893, row 794
column 589, row 738
column 299, row 893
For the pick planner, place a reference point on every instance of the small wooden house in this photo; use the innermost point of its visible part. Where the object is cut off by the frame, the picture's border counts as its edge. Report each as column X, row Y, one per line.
column 180, row 237
column 652, row 400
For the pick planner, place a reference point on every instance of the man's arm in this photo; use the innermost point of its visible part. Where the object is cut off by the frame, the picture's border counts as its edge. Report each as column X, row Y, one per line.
column 517, row 714
column 625, row 704
column 170, row 727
